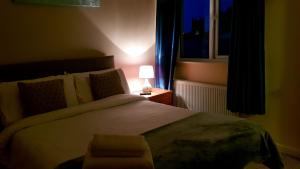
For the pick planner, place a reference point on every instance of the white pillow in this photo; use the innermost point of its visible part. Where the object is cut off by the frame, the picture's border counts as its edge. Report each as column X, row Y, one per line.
column 10, row 102
column 70, row 92
column 83, row 88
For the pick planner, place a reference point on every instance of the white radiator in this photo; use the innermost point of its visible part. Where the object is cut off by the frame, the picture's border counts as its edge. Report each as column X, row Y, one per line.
column 201, row 97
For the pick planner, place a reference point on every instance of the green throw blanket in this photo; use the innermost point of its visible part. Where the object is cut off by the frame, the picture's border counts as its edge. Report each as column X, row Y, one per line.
column 207, row 141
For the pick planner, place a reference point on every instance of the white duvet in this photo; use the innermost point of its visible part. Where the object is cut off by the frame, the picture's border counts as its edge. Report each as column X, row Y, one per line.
column 46, row 140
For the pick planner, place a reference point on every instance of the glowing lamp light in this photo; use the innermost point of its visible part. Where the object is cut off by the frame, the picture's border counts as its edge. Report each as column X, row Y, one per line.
column 134, row 51
column 146, row 72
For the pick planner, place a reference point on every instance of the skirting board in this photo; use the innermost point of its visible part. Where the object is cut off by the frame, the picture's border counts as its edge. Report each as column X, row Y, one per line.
column 289, row 150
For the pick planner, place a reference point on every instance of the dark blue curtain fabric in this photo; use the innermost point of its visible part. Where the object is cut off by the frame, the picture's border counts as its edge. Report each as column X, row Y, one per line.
column 246, row 70
column 168, row 27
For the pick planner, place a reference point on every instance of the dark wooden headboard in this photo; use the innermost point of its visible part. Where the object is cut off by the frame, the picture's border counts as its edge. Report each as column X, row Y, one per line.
column 34, row 70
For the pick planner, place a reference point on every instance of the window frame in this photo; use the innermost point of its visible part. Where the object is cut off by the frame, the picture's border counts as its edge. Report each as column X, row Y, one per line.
column 213, row 37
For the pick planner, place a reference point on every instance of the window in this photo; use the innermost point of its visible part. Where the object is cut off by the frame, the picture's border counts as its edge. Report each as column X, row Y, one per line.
column 205, row 29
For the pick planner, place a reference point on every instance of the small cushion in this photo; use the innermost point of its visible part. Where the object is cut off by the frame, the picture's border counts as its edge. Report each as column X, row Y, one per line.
column 11, row 108
column 42, row 97
column 106, row 84
column 83, row 86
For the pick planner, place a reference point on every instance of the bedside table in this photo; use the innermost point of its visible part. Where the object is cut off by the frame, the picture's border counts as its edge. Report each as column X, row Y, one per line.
column 160, row 96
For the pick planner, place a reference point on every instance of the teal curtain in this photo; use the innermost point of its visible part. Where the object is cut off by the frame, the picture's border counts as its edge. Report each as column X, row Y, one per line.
column 168, row 27
column 246, row 70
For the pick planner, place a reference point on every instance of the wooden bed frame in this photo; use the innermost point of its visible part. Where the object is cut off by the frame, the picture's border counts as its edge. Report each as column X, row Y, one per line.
column 22, row 71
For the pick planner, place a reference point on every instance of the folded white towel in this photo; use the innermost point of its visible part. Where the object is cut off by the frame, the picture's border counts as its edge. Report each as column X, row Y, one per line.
column 91, row 162
column 118, row 162
column 118, row 145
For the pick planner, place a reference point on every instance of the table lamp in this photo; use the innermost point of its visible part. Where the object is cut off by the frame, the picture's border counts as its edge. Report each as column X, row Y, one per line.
column 146, row 72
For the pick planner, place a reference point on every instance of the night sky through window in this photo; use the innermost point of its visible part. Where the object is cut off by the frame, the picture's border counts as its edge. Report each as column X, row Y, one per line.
column 225, row 4
column 200, row 9
column 195, row 40
column 195, row 9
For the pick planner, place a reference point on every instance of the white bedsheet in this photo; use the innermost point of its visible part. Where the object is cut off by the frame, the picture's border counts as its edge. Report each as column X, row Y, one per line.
column 46, row 140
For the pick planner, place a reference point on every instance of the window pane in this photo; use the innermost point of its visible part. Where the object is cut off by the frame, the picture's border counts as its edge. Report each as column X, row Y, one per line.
column 225, row 14
column 195, row 25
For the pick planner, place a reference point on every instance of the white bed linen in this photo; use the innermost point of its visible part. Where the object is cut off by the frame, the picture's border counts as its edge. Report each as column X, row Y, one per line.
column 46, row 140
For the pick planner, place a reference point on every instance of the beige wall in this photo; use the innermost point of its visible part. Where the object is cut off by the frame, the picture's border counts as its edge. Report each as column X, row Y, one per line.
column 282, row 73
column 125, row 29
column 207, row 72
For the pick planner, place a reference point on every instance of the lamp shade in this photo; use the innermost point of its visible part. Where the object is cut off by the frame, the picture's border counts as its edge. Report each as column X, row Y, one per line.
column 146, row 71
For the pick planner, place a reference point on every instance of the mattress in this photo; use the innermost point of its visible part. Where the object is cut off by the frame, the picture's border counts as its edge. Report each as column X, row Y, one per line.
column 47, row 140
column 178, row 138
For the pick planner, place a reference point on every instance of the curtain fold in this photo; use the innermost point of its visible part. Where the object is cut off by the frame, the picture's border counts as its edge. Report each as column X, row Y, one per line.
column 168, row 26
column 246, row 69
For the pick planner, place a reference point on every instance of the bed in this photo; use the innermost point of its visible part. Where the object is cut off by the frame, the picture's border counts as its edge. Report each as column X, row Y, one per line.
column 178, row 138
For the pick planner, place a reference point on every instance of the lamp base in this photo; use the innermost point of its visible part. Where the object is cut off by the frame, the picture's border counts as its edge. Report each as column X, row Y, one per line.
column 146, row 88
column 145, row 93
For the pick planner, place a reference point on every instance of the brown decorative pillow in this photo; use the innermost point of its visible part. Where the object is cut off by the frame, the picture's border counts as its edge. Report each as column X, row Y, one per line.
column 42, row 97
column 106, row 84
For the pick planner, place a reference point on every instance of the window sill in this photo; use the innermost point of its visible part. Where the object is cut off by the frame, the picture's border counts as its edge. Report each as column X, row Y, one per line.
column 217, row 60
